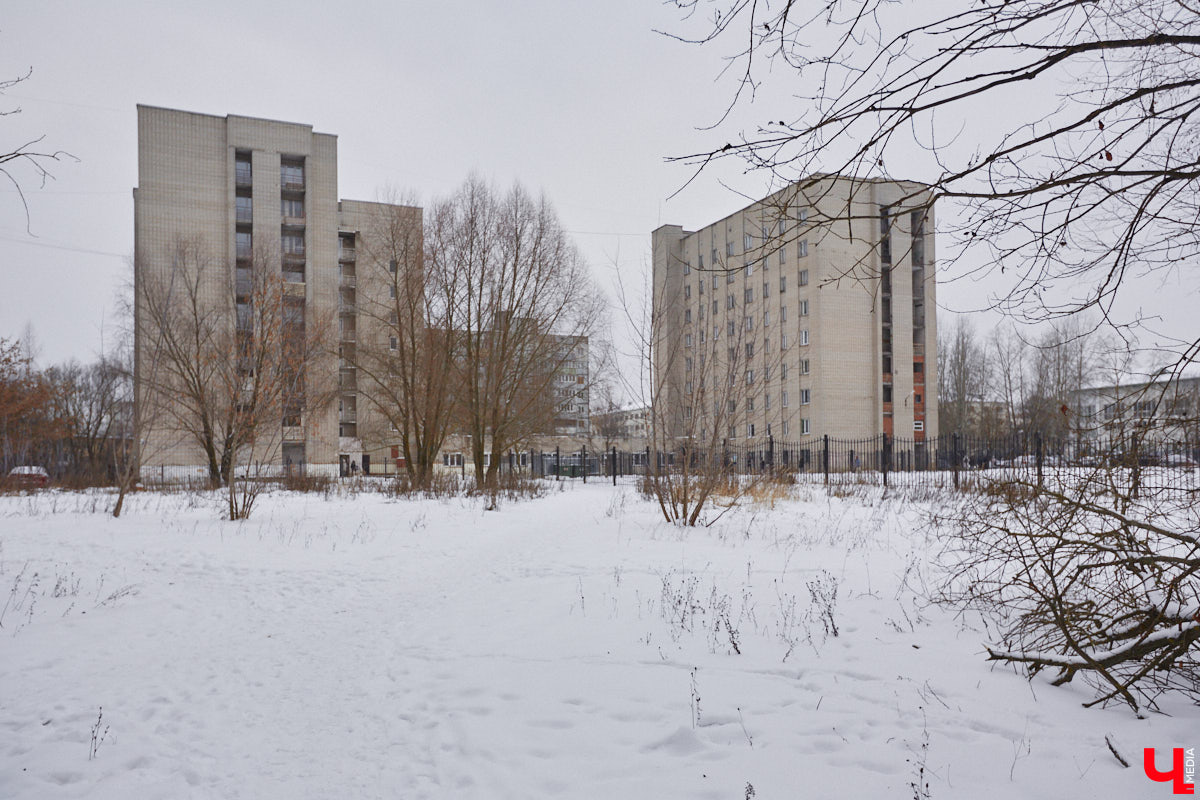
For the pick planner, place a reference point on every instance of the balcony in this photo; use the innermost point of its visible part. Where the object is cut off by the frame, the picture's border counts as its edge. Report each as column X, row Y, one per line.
column 293, row 254
column 347, row 335
column 245, row 216
column 347, row 253
column 347, row 307
column 348, row 281
column 242, row 174
column 291, row 183
column 348, row 380
column 293, row 222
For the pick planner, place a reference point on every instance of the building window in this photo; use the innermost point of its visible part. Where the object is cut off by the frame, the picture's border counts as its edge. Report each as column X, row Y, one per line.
column 244, row 209
column 749, row 349
column 767, row 400
column 804, row 366
column 782, row 255
column 802, row 248
column 783, row 428
column 687, row 316
column 887, row 393
column 750, row 429
column 687, row 340
column 732, row 327
column 766, row 289
column 804, row 338
column 687, row 387
column 700, row 286
column 783, row 313
column 804, row 277
column 715, row 306
column 291, row 207
column 804, row 308
column 701, row 336
column 747, row 242
column 687, row 292
column 749, row 269
column 729, row 248
column 687, row 364
column 730, row 275
column 766, row 319
column 805, row 396
column 783, row 371
column 293, row 244
column 783, row 398
column 748, row 296
column 714, row 256
column 392, row 292
column 805, row 427
column 731, row 406
column 730, row 302
column 749, row 323
column 783, row 340
column 687, row 268
column 918, row 425
column 291, row 175
column 700, row 261
column 245, row 244
column 804, row 215
column 393, row 343
column 782, row 284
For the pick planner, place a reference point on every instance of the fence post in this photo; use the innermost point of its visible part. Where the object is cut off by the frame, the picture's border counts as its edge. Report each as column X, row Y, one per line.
column 954, row 457
column 771, row 453
column 646, row 467
column 583, row 466
column 1037, row 441
column 887, row 457
column 614, row 465
column 557, row 471
column 825, row 459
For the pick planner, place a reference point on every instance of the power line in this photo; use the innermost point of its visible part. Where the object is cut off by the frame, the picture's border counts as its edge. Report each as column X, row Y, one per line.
column 67, row 247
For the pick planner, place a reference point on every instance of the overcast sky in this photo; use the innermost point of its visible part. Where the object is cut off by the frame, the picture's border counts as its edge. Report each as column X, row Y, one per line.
column 581, row 100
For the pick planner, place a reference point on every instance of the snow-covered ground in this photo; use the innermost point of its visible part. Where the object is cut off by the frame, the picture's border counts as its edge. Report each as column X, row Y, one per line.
column 570, row 646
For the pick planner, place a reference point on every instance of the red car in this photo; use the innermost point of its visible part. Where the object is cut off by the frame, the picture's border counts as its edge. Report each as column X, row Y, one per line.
column 28, row 477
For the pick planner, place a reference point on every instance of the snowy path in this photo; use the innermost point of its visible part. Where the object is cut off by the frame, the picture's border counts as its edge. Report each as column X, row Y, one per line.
column 366, row 648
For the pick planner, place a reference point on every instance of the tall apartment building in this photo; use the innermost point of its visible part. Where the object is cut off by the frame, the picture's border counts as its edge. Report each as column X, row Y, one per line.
column 262, row 194
column 810, row 312
column 241, row 187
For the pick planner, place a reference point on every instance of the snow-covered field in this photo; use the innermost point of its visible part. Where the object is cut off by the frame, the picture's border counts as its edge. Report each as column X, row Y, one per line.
column 571, row 646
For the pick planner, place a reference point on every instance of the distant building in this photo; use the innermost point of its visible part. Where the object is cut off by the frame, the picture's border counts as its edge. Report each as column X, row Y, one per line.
column 627, row 429
column 1159, row 412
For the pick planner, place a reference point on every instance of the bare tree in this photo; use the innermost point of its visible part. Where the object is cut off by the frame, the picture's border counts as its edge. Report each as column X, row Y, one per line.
column 232, row 368
column 29, row 156
column 90, row 399
column 403, row 356
column 964, row 379
column 519, row 307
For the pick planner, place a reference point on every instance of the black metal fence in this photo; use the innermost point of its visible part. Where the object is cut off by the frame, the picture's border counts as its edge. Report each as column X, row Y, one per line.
column 945, row 461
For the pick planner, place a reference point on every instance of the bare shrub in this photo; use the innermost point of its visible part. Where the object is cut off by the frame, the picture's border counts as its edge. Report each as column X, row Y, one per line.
column 1085, row 579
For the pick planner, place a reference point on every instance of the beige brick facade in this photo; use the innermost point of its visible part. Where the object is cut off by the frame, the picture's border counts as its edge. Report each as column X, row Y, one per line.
column 802, row 278
column 189, row 185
